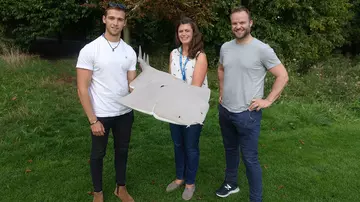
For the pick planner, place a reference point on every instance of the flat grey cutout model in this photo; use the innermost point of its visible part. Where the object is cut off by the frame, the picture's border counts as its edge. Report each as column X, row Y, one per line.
column 165, row 97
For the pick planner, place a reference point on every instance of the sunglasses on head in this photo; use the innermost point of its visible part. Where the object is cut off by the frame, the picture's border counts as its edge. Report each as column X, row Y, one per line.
column 116, row 5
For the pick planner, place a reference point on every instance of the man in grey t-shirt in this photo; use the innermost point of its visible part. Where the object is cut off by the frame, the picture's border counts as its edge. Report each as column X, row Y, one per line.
column 244, row 62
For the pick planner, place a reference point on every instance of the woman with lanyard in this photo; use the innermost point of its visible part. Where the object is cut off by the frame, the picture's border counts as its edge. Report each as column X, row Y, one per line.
column 189, row 63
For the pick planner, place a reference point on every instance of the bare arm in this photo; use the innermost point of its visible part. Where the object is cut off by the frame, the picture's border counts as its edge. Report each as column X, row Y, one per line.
column 200, row 70
column 83, row 83
column 221, row 81
column 170, row 63
column 281, row 80
column 131, row 75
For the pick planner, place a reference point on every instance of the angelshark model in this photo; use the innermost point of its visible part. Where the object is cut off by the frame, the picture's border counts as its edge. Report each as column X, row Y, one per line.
column 165, row 97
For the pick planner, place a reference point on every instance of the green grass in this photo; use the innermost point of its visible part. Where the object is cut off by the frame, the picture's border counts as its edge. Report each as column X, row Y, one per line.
column 309, row 145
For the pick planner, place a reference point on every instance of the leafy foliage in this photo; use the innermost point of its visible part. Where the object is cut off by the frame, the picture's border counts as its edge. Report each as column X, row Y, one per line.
column 25, row 20
column 353, row 28
column 302, row 31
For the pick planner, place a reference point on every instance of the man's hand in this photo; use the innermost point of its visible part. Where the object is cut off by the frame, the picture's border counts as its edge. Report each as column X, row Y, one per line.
column 257, row 104
column 98, row 129
column 220, row 99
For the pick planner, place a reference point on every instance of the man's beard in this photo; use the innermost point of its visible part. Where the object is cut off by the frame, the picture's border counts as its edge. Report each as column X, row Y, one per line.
column 246, row 33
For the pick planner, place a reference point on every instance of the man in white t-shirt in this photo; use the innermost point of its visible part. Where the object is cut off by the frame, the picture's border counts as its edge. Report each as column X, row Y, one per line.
column 105, row 67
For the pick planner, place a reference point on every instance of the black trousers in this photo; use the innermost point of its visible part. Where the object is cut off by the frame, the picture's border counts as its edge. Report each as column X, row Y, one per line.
column 121, row 130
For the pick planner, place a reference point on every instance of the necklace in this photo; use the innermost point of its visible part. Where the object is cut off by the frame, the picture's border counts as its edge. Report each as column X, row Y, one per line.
column 113, row 49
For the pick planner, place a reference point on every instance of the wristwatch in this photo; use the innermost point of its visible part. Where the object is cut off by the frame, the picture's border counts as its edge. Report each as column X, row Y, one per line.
column 92, row 123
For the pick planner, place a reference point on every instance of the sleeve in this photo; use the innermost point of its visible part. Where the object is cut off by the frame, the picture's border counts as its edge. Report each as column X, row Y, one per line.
column 269, row 58
column 133, row 61
column 221, row 59
column 86, row 59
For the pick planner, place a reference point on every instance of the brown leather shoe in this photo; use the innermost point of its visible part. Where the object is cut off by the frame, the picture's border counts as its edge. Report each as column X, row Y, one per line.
column 98, row 197
column 124, row 196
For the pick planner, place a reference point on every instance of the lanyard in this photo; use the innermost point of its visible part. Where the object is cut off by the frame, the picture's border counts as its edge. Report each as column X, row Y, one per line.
column 183, row 70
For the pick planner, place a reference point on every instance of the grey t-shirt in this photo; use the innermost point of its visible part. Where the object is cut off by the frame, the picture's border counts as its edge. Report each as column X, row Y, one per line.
column 245, row 67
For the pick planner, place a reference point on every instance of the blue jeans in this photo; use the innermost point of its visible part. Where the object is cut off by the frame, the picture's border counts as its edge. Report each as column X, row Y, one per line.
column 186, row 148
column 240, row 132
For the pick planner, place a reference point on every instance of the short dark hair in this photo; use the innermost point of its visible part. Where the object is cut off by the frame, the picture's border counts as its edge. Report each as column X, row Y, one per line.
column 116, row 6
column 241, row 9
column 196, row 44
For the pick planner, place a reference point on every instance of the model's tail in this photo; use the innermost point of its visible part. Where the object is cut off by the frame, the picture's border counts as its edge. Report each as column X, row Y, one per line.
column 143, row 60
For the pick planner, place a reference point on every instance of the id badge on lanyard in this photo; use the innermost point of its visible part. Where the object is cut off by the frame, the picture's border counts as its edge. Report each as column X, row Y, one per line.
column 182, row 68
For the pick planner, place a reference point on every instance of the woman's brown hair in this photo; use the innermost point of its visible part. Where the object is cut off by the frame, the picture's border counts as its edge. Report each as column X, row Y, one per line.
column 196, row 43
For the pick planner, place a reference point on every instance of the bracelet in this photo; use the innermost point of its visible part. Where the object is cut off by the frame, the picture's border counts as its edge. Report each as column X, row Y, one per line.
column 92, row 123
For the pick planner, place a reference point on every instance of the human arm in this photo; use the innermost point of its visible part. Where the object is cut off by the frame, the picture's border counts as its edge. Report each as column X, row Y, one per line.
column 170, row 62
column 281, row 79
column 221, row 74
column 200, row 70
column 131, row 75
column 83, row 82
column 221, row 81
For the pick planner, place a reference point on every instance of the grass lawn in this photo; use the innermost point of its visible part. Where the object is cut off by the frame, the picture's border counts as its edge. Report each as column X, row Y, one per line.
column 309, row 151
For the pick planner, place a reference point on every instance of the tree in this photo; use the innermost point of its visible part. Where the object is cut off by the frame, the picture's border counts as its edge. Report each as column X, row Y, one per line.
column 302, row 31
column 27, row 19
column 155, row 13
column 353, row 29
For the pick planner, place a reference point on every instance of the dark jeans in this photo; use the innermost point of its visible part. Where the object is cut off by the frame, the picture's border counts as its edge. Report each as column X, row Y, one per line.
column 186, row 148
column 240, row 132
column 121, row 130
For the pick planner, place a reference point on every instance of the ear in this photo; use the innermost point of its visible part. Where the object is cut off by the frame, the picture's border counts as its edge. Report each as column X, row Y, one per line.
column 251, row 23
column 103, row 19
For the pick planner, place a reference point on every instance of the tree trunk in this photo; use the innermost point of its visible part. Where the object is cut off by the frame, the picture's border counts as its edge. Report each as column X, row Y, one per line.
column 126, row 36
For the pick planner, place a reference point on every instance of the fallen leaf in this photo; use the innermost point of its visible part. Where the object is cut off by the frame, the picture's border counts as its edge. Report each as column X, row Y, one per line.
column 88, row 161
column 280, row 187
column 262, row 145
column 27, row 171
column 66, row 79
column 91, row 193
column 273, row 128
column 14, row 98
column 266, row 166
column 302, row 142
column 153, row 182
column 30, row 161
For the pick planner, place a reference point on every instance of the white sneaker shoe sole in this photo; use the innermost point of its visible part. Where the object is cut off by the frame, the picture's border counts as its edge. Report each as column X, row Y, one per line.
column 230, row 192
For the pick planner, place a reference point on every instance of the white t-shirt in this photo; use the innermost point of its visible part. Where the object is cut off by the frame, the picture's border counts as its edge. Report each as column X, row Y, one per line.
column 189, row 68
column 109, row 77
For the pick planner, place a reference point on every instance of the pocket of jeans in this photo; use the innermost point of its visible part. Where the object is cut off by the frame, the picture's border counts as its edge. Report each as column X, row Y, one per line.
column 254, row 117
column 221, row 110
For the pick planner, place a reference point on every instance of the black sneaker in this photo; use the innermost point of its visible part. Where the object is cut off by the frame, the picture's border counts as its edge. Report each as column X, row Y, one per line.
column 226, row 189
